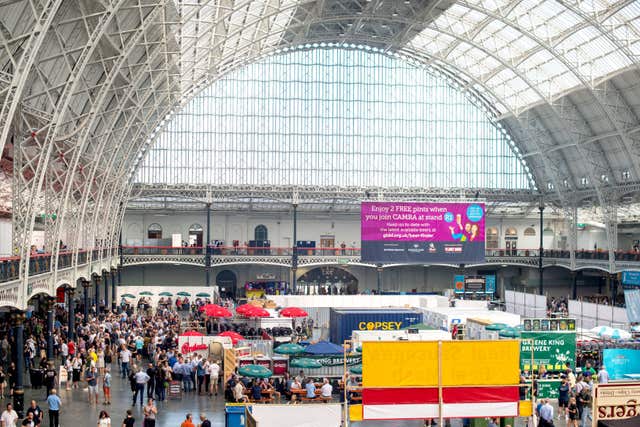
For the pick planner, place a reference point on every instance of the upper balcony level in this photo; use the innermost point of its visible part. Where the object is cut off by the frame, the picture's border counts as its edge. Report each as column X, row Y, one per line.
column 225, row 255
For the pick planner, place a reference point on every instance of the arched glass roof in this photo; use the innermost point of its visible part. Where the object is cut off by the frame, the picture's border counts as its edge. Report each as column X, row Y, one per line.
column 335, row 117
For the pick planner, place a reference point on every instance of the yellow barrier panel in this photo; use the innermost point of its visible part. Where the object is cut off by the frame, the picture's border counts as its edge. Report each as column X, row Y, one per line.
column 400, row 364
column 355, row 412
column 525, row 408
column 464, row 363
column 478, row 363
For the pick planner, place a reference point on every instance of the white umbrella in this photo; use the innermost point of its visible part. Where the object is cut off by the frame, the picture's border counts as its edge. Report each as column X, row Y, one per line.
column 618, row 334
column 602, row 330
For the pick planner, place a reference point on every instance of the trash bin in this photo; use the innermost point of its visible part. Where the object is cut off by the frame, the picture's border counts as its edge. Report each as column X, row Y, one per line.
column 35, row 377
column 234, row 414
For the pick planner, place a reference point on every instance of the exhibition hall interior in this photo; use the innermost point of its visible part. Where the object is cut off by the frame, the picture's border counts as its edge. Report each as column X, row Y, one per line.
column 318, row 213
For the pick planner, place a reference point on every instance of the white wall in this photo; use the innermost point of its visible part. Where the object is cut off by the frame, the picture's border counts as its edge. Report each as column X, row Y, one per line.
column 345, row 228
column 5, row 237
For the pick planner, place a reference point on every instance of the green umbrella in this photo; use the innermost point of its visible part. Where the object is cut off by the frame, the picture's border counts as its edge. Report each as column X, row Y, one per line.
column 509, row 333
column 128, row 296
column 356, row 370
column 289, row 348
column 146, row 294
column 183, row 294
column 256, row 371
column 203, row 295
column 165, row 294
column 496, row 327
column 305, row 363
column 359, row 349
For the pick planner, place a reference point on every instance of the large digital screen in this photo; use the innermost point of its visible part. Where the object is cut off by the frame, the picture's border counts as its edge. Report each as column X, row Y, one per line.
column 422, row 232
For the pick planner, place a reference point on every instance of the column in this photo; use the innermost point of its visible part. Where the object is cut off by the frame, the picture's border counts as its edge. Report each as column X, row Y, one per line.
column 96, row 279
column 85, row 286
column 541, row 250
column 72, row 312
column 379, row 277
column 207, row 252
column 18, row 332
column 574, row 285
column 113, row 289
column 50, row 319
column 613, row 287
column 105, row 280
column 294, row 253
column 120, row 249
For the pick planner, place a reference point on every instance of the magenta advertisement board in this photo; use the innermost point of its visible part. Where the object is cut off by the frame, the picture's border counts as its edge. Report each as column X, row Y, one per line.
column 422, row 232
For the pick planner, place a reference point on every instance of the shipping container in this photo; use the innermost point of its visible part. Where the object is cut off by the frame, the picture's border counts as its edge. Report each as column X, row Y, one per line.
column 343, row 321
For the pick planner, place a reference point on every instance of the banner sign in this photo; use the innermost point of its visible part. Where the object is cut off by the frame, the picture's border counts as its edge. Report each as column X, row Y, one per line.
column 548, row 389
column 631, row 278
column 331, row 360
column 422, row 232
column 490, row 284
column 632, row 302
column 550, row 349
column 621, row 362
column 545, row 324
column 616, row 401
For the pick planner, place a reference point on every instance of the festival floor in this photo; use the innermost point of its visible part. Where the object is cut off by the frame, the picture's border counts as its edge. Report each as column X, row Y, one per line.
column 76, row 410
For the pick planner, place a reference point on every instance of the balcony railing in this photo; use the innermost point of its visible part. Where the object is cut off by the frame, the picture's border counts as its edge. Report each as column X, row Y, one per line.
column 41, row 263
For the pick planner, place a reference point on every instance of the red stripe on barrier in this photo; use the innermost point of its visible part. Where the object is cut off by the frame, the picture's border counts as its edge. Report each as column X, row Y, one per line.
column 413, row 395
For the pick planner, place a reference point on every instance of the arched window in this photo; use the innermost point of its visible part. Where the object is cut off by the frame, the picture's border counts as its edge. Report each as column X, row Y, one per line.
column 529, row 231
column 511, row 232
column 154, row 231
column 195, row 235
column 353, row 118
column 492, row 238
column 261, row 233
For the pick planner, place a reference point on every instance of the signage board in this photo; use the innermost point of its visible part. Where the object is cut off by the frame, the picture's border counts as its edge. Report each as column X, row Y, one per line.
column 550, row 349
column 546, row 324
column 422, row 232
column 631, row 278
column 621, row 362
column 616, row 401
column 548, row 389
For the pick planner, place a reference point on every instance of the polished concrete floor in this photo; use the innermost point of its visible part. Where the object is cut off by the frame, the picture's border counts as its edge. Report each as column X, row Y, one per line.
column 76, row 411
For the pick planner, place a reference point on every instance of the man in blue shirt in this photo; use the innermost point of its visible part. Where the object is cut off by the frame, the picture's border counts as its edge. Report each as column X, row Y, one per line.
column 311, row 389
column 546, row 414
column 54, row 403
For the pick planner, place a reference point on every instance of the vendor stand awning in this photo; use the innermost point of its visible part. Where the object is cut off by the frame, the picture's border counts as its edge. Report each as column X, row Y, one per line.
column 324, row 347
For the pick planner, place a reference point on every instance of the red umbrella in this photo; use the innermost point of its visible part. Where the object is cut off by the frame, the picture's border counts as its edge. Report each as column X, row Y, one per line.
column 192, row 334
column 244, row 307
column 214, row 310
column 256, row 312
column 293, row 312
column 235, row 337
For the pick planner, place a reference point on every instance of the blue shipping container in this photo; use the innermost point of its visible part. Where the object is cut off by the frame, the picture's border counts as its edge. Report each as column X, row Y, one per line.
column 343, row 321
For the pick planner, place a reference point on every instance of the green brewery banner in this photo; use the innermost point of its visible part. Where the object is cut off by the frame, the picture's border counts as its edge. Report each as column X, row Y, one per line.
column 550, row 349
column 548, row 389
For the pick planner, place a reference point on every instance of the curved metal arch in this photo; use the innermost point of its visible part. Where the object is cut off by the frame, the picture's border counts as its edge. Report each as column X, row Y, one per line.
column 61, row 109
column 570, row 67
column 100, row 98
column 349, row 264
column 22, row 70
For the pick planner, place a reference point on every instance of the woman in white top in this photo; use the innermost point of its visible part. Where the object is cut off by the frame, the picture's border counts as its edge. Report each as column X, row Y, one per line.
column 104, row 420
column 100, row 363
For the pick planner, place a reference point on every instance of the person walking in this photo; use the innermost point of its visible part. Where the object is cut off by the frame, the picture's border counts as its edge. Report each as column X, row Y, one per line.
column 150, row 412
column 603, row 375
column 188, row 421
column 141, row 378
column 129, row 421
column 54, row 403
column 106, row 385
column 9, row 417
column 92, row 381
column 204, row 422
column 214, row 377
column 103, row 419
column 125, row 359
